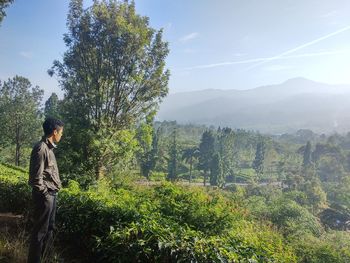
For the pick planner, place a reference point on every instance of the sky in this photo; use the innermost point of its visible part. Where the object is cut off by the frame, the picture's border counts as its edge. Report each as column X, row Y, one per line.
column 214, row 44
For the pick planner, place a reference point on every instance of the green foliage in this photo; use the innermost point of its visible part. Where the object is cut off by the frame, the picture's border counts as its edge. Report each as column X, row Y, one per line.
column 190, row 155
column 336, row 217
column 339, row 193
column 307, row 161
column 52, row 107
column 20, row 112
column 157, row 176
column 206, row 152
column 297, row 196
column 210, row 214
column 327, row 149
column 285, row 213
column 113, row 74
column 225, row 141
column 167, row 223
column 258, row 163
column 316, row 197
column 293, row 218
column 74, row 163
column 329, row 169
column 148, row 141
column 216, row 171
column 173, row 159
column 330, row 247
column 4, row 4
column 14, row 190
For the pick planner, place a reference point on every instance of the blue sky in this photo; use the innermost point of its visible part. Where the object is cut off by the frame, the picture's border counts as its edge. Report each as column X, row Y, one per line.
column 222, row 44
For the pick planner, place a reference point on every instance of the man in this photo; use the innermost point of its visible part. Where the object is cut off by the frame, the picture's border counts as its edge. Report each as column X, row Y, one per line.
column 45, row 182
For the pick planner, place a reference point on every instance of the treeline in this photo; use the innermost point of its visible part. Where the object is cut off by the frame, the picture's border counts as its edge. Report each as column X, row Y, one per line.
column 113, row 77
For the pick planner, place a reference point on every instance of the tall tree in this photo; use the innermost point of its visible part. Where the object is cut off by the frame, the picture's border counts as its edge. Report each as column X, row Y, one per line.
column 258, row 163
column 52, row 107
column 172, row 162
column 148, row 142
column 3, row 5
column 281, row 171
column 317, row 198
column 19, row 114
column 307, row 158
column 189, row 155
column 216, row 171
column 226, row 150
column 206, row 152
column 113, row 74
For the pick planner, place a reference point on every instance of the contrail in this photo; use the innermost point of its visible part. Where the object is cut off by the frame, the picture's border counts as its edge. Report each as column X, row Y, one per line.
column 267, row 59
column 302, row 46
column 280, row 56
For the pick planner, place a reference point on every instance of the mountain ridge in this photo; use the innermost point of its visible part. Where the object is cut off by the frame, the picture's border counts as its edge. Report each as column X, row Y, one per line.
column 292, row 105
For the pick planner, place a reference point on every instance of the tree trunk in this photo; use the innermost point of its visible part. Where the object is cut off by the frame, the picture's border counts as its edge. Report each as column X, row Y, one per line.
column 17, row 159
column 99, row 171
column 191, row 169
column 18, row 146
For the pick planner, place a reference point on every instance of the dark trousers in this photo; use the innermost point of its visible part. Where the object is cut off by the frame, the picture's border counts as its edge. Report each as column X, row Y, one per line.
column 44, row 224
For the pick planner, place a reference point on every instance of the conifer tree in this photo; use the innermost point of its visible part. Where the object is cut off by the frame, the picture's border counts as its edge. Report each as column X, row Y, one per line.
column 206, row 152
column 216, row 171
column 307, row 161
column 225, row 141
column 258, row 163
column 172, row 162
column 52, row 107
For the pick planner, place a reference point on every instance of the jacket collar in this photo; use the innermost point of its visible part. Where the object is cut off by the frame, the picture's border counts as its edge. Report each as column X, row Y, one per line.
column 48, row 143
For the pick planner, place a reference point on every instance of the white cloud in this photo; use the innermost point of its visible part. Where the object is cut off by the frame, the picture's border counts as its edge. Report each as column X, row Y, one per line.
column 189, row 37
column 26, row 54
column 290, row 51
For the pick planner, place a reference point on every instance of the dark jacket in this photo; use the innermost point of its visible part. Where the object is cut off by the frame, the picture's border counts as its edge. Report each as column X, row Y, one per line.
column 43, row 170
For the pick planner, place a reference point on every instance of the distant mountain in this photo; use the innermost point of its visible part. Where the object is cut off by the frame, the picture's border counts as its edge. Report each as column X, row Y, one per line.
column 295, row 104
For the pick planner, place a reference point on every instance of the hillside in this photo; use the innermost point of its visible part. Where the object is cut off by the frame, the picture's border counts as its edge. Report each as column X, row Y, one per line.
column 172, row 223
column 164, row 223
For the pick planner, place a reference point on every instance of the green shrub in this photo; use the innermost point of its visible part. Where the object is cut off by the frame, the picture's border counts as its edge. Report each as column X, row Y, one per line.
column 15, row 193
column 331, row 247
column 157, row 176
column 166, row 223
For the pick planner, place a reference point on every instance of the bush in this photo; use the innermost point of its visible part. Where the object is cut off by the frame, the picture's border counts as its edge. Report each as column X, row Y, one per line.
column 15, row 193
column 331, row 247
column 157, row 176
column 166, row 223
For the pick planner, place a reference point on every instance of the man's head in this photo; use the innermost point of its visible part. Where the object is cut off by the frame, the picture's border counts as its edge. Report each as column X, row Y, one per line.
column 53, row 128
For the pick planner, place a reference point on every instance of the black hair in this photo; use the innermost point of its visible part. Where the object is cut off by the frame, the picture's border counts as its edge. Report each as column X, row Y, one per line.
column 51, row 124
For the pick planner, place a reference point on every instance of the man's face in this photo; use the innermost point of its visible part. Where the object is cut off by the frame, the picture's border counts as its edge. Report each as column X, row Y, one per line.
column 57, row 134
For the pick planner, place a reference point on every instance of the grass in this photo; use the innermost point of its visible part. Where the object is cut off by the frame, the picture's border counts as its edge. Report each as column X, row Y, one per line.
column 14, row 241
column 13, row 248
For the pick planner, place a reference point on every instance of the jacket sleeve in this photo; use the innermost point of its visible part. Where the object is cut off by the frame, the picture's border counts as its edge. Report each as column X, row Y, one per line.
column 37, row 165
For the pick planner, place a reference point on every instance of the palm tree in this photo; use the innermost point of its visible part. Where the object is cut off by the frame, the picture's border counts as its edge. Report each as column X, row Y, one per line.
column 188, row 155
